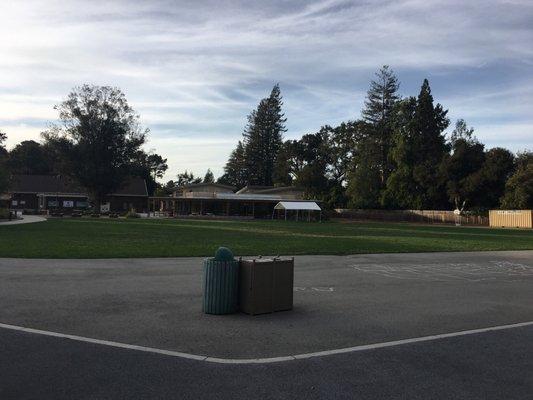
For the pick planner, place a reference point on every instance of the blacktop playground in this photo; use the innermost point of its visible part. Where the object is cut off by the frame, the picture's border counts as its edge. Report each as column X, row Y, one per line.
column 381, row 326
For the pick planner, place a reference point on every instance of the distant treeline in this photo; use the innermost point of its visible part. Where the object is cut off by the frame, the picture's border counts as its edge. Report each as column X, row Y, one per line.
column 397, row 156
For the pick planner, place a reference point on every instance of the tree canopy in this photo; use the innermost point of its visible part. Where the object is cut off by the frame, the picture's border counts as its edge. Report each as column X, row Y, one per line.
column 99, row 136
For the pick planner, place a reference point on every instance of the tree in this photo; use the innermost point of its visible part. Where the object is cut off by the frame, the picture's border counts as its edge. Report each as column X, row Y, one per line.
column 4, row 173
column 378, row 112
column 99, row 137
column 460, row 169
column 490, row 180
column 381, row 97
column 149, row 166
column 166, row 189
column 418, row 148
column 462, row 131
column 3, row 138
column 282, row 169
column 157, row 165
column 263, row 137
column 31, row 158
column 187, row 178
column 235, row 171
column 314, row 159
column 364, row 187
column 209, row 177
column 519, row 187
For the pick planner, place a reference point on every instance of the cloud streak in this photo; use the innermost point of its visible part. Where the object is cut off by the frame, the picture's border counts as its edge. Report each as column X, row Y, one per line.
column 194, row 69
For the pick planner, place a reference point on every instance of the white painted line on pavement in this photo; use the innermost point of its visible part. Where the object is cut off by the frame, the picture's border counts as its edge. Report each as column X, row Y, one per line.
column 103, row 342
column 271, row 359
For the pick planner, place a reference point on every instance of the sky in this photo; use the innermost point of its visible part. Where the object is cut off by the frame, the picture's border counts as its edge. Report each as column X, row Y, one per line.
column 193, row 70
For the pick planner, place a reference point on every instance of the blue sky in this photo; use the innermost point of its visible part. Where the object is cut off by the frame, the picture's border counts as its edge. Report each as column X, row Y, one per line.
column 193, row 70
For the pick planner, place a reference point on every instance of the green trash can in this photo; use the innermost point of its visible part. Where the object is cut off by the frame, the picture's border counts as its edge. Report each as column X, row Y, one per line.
column 221, row 280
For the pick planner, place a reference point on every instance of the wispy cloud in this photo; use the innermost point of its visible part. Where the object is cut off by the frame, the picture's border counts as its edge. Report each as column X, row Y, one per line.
column 194, row 69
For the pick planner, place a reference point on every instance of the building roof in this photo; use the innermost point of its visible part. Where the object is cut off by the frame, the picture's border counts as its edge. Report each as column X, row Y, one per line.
column 198, row 185
column 60, row 184
column 43, row 184
column 297, row 205
column 267, row 189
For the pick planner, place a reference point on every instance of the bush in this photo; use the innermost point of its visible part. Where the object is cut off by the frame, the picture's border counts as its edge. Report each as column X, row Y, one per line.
column 4, row 213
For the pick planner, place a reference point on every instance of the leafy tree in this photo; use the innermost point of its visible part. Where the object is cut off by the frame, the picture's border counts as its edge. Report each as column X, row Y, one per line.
column 99, row 137
column 418, row 149
column 460, row 169
column 319, row 162
column 314, row 160
column 263, row 137
column 519, row 187
column 187, row 178
column 166, row 189
column 462, row 131
column 490, row 180
column 235, row 171
column 282, row 169
column 157, row 165
column 209, row 177
column 149, row 166
column 32, row 158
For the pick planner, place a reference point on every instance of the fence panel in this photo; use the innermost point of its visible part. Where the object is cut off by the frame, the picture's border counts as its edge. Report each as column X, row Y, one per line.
column 425, row 216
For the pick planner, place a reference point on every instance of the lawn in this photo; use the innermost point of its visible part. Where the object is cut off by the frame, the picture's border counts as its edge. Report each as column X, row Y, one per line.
column 85, row 238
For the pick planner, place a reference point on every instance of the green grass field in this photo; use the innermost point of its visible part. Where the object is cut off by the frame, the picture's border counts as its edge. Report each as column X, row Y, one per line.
column 84, row 238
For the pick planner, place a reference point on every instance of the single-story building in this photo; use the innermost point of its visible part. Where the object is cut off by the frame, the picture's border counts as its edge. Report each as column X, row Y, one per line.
column 221, row 200
column 44, row 193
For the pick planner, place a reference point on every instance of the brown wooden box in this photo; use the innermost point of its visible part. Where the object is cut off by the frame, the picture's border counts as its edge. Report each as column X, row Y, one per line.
column 266, row 285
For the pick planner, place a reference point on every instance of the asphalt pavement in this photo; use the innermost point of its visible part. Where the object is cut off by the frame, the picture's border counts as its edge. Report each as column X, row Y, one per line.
column 340, row 302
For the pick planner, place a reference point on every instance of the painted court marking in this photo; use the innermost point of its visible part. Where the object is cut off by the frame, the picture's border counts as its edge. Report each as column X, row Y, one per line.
column 265, row 360
column 504, row 271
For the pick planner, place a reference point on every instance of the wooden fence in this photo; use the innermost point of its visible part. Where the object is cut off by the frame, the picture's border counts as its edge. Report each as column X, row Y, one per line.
column 425, row 216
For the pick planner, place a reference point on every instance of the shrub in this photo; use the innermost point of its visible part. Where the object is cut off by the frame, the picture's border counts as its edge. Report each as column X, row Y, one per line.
column 4, row 213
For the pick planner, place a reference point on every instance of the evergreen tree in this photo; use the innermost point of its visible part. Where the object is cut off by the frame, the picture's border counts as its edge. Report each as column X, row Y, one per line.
column 365, row 185
column 209, row 177
column 235, row 171
column 263, row 137
column 419, row 147
column 371, row 169
column 4, row 174
column 381, row 97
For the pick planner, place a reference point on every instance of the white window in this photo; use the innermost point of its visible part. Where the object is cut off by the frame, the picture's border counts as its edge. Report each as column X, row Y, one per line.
column 68, row 203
